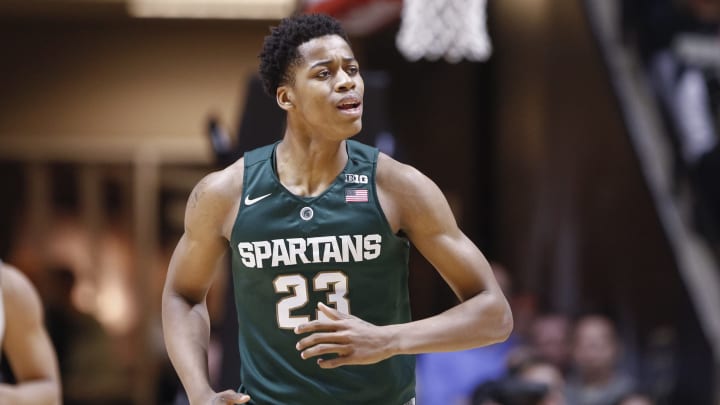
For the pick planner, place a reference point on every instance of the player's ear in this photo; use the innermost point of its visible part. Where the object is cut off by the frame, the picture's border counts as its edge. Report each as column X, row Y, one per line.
column 284, row 97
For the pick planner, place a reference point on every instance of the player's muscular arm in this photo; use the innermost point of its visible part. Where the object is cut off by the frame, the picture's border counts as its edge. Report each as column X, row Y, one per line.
column 186, row 323
column 27, row 345
column 420, row 209
column 415, row 205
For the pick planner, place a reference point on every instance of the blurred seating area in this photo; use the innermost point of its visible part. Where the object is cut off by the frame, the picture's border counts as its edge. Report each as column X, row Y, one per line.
column 553, row 358
column 679, row 46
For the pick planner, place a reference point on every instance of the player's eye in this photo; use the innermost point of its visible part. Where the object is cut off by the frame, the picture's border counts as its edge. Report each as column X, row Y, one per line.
column 353, row 70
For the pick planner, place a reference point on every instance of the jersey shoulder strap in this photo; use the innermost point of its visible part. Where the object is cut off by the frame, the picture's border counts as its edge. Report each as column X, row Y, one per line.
column 258, row 155
column 360, row 152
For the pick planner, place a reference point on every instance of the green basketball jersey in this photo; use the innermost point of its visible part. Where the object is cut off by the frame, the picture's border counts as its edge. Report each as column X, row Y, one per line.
column 288, row 254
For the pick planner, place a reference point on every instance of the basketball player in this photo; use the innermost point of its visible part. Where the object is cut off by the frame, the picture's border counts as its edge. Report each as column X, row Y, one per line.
column 25, row 343
column 319, row 227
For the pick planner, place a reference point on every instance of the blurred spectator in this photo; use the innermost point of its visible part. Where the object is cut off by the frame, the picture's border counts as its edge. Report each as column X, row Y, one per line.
column 659, row 369
column 550, row 339
column 24, row 341
column 88, row 367
column 595, row 378
column 534, row 382
column 450, row 378
column 636, row 399
column 677, row 41
column 549, row 374
column 509, row 391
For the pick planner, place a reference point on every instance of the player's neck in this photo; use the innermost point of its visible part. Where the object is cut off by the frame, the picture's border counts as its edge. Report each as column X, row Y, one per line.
column 308, row 166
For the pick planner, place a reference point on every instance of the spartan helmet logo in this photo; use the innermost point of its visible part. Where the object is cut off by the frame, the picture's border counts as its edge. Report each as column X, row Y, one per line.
column 306, row 213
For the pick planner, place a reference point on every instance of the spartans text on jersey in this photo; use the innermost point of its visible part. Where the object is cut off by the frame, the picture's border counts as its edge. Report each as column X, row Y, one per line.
column 319, row 249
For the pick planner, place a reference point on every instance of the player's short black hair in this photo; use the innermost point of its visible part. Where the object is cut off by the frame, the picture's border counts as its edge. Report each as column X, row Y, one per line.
column 280, row 48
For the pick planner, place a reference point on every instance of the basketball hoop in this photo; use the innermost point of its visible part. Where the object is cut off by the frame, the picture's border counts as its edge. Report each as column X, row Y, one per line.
column 449, row 29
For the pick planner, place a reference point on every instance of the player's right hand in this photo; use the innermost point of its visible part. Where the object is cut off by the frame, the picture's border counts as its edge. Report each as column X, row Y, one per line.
column 229, row 397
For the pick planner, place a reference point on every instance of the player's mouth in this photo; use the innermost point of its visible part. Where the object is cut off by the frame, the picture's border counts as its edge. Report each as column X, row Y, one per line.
column 350, row 106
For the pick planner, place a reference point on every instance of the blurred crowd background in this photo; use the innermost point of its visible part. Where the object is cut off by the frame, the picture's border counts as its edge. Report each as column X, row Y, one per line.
column 576, row 140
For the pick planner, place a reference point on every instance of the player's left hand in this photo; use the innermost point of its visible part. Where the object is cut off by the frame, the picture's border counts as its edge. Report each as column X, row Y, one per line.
column 352, row 339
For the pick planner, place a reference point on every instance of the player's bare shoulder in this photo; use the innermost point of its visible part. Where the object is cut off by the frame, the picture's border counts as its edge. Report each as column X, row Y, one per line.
column 225, row 184
column 405, row 193
column 14, row 280
column 215, row 198
column 19, row 293
column 403, row 181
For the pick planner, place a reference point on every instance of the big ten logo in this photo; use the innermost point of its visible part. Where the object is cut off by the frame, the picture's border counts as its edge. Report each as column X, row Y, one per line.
column 356, row 178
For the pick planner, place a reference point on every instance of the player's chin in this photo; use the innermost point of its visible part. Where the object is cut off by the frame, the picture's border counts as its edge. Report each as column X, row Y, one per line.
column 348, row 129
column 355, row 126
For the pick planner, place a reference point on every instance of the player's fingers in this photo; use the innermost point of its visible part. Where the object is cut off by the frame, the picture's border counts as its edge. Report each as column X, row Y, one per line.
column 326, row 348
column 318, row 338
column 331, row 313
column 333, row 363
column 317, row 326
column 230, row 397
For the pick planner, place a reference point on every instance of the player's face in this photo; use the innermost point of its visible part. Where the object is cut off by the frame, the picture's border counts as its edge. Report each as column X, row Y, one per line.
column 327, row 92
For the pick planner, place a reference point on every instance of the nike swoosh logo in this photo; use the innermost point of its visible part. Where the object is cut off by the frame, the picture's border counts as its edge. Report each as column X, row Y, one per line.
column 251, row 201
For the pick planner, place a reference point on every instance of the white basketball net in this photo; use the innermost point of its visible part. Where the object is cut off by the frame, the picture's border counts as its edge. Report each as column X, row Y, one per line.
column 449, row 29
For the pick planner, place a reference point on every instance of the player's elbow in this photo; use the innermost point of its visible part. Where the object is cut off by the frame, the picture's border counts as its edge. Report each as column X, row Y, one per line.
column 44, row 392
column 502, row 321
column 507, row 324
column 172, row 298
column 55, row 393
column 53, row 389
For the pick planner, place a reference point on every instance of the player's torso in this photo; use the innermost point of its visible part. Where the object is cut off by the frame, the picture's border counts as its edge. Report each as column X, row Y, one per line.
column 289, row 253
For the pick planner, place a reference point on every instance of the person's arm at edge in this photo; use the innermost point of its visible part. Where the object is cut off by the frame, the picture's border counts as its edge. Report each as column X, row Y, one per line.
column 27, row 345
column 483, row 316
column 185, row 318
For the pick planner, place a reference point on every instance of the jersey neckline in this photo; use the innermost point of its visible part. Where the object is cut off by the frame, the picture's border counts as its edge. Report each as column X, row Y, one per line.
column 306, row 200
